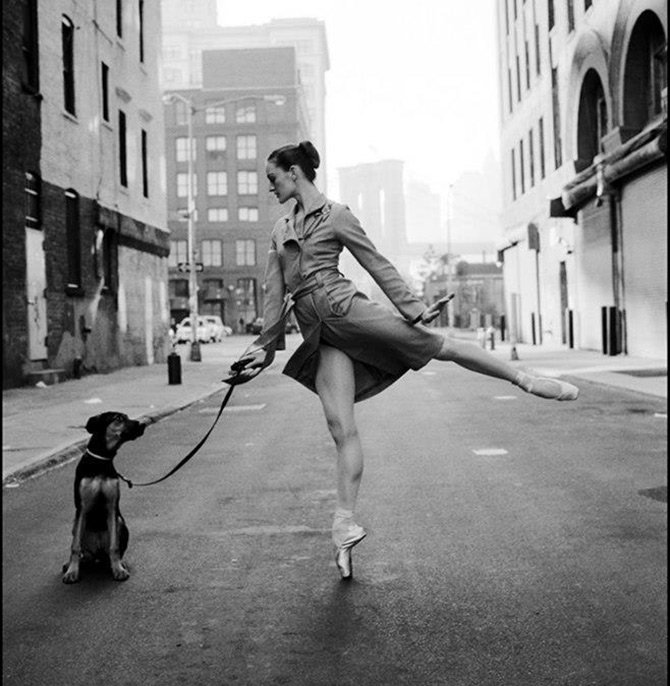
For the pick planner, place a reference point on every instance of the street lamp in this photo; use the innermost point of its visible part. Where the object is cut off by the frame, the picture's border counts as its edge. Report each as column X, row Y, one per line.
column 192, row 276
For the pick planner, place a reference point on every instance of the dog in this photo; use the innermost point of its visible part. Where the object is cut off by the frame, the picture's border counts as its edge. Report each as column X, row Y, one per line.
column 100, row 533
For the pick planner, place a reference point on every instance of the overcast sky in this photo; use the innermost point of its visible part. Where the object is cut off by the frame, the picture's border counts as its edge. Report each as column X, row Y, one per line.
column 411, row 81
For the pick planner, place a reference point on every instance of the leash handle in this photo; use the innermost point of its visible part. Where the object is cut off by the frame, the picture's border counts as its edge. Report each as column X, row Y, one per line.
column 269, row 336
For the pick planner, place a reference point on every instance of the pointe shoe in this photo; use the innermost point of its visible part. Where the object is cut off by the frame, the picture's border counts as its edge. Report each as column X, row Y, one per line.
column 344, row 542
column 551, row 389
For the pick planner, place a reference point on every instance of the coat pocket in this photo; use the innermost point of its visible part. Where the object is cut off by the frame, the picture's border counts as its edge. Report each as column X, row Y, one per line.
column 339, row 298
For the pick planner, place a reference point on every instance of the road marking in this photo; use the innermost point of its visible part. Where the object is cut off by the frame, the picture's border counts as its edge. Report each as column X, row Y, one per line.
column 490, row 452
column 504, row 397
column 235, row 408
column 661, row 415
column 429, row 373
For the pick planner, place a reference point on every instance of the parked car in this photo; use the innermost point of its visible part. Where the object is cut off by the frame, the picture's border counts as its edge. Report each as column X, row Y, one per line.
column 256, row 326
column 184, row 333
column 215, row 328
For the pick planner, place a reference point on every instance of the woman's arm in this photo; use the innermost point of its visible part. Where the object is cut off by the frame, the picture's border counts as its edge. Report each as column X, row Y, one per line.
column 351, row 234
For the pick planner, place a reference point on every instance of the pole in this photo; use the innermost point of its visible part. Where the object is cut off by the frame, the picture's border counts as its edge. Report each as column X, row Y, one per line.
column 192, row 275
column 449, row 306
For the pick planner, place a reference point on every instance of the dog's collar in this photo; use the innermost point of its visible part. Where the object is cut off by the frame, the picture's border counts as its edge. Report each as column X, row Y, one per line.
column 99, row 457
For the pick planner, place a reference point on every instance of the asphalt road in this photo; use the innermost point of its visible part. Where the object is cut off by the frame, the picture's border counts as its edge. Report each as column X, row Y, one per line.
column 541, row 560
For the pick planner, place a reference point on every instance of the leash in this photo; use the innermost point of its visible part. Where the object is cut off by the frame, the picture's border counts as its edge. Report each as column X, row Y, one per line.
column 267, row 338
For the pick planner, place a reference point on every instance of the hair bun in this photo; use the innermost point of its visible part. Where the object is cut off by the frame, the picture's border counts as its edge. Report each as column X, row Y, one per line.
column 310, row 152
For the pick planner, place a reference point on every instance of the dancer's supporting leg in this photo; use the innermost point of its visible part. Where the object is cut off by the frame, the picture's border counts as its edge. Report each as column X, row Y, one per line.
column 336, row 386
column 475, row 358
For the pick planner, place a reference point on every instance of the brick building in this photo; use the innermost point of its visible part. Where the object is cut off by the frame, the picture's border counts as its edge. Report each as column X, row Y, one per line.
column 84, row 227
column 584, row 123
column 248, row 106
column 190, row 27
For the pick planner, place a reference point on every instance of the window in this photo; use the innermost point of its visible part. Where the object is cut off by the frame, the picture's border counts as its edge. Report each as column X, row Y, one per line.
column 67, row 41
column 246, row 114
column 587, row 4
column 181, row 149
column 123, row 151
column 247, row 214
column 33, row 187
column 509, row 89
column 30, row 45
column 531, row 160
column 558, row 153
column 73, row 239
column 245, row 253
column 537, row 50
column 591, row 118
column 119, row 18
column 145, row 164
column 507, row 17
column 550, row 14
column 104, row 74
column 513, row 176
column 514, row 2
column 527, row 65
column 211, row 253
column 181, row 113
column 182, row 185
column 215, row 147
column 645, row 75
column 109, row 259
column 215, row 115
column 141, row 29
column 217, row 183
column 246, row 147
column 522, row 171
column 540, row 142
column 178, row 288
column 518, row 80
column 571, row 15
column 178, row 253
column 217, row 214
column 247, row 182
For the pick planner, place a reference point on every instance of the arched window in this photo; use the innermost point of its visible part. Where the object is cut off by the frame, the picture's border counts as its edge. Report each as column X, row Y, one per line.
column 645, row 74
column 592, row 118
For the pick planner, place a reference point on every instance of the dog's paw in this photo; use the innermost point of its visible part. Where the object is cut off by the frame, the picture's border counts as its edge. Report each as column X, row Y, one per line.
column 120, row 572
column 71, row 576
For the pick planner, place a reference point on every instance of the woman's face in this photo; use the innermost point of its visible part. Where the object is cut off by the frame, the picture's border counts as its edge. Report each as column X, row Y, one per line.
column 282, row 183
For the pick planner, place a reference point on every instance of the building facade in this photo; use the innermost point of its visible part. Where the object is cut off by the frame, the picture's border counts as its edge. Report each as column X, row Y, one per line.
column 237, row 120
column 583, row 131
column 85, row 239
column 190, row 27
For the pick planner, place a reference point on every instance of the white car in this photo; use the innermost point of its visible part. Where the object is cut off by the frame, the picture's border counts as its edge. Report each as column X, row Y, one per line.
column 215, row 327
column 184, row 333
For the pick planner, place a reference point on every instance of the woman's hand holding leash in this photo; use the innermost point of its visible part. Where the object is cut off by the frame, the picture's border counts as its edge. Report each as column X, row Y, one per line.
column 434, row 310
column 249, row 366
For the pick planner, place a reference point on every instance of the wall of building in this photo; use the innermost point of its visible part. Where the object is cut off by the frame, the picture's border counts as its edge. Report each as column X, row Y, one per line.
column 645, row 230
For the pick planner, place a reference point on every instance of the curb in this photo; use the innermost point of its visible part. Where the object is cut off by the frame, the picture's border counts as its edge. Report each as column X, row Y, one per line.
column 74, row 451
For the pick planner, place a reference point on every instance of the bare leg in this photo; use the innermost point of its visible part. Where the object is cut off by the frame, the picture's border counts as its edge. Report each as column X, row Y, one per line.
column 476, row 359
column 335, row 386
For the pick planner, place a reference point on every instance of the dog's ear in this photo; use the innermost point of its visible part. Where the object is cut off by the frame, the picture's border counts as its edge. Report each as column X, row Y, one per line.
column 93, row 424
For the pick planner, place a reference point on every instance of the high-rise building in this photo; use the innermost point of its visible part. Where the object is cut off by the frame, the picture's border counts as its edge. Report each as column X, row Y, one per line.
column 190, row 27
column 583, row 128
column 85, row 238
column 247, row 107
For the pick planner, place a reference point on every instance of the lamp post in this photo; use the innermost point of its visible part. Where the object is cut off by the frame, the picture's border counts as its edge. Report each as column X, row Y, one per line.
column 192, row 275
column 448, row 261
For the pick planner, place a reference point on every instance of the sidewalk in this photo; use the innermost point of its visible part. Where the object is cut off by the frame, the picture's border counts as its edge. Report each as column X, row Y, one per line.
column 44, row 427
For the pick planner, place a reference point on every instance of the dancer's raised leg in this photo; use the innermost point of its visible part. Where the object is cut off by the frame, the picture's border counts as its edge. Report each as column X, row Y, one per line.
column 477, row 359
column 336, row 387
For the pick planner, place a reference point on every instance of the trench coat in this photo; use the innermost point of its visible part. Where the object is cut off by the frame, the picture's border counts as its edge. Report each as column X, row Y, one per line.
column 302, row 273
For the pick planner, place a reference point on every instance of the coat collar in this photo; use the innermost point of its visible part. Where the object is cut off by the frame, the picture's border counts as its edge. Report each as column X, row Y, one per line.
column 319, row 208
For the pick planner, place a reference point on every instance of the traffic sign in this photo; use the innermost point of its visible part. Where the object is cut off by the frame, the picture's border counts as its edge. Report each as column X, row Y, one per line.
column 186, row 267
